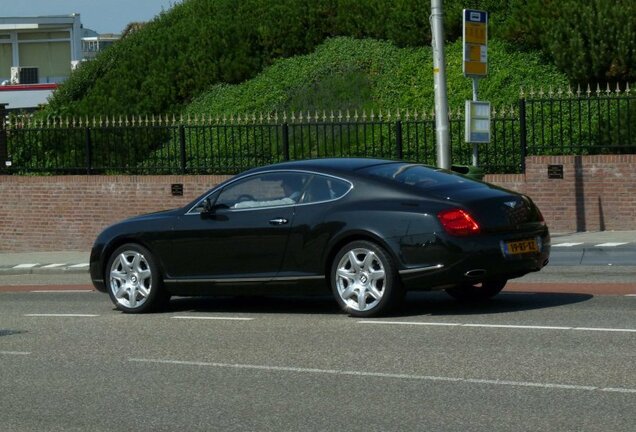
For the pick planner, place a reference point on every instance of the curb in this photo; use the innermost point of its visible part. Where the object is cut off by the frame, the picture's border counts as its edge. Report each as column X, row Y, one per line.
column 42, row 270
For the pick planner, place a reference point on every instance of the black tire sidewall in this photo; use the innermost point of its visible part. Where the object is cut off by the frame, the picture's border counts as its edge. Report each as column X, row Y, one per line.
column 392, row 285
column 154, row 297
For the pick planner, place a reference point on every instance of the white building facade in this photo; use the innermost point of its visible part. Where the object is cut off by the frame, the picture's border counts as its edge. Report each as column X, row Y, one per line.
column 39, row 50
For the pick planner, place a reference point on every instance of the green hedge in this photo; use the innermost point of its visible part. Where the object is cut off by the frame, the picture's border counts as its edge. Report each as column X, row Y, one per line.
column 198, row 43
column 345, row 73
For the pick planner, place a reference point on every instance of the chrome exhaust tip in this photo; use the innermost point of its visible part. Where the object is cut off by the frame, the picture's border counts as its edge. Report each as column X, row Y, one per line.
column 475, row 273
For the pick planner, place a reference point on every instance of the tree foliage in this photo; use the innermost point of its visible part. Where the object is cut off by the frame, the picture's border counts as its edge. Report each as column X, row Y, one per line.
column 199, row 43
column 591, row 41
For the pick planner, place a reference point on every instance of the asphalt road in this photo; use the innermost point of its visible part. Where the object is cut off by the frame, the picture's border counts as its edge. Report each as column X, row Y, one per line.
column 526, row 361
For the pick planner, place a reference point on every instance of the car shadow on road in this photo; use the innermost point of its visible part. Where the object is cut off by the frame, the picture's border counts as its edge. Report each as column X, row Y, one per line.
column 440, row 304
column 415, row 304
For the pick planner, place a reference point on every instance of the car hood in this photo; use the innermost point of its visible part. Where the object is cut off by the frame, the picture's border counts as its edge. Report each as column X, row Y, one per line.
column 155, row 215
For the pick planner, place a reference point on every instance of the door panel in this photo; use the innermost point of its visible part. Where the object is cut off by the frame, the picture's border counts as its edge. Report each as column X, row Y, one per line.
column 232, row 243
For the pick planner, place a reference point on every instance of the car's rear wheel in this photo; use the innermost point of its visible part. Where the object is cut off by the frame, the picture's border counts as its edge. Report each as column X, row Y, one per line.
column 364, row 281
column 477, row 292
column 133, row 280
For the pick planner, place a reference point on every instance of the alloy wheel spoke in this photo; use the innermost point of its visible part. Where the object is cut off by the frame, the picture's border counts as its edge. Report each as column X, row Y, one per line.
column 143, row 291
column 353, row 259
column 119, row 276
column 345, row 274
column 348, row 293
column 376, row 275
column 136, row 262
column 121, row 291
column 125, row 265
column 375, row 293
column 144, row 274
column 367, row 264
column 132, row 297
column 362, row 299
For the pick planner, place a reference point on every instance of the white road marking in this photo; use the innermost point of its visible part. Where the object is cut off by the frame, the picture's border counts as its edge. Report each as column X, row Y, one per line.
column 213, row 318
column 82, row 265
column 61, row 291
column 605, row 329
column 630, row 295
column 385, row 375
column 63, row 315
column 508, row 326
column 566, row 244
column 20, row 353
column 54, row 265
column 25, row 266
column 610, row 244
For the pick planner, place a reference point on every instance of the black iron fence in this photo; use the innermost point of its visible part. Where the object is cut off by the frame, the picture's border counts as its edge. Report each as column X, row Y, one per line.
column 543, row 123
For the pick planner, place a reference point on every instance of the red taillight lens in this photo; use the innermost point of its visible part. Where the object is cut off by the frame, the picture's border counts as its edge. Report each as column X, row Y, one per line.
column 458, row 222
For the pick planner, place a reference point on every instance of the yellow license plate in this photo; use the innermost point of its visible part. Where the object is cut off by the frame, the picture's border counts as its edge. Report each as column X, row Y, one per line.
column 521, row 247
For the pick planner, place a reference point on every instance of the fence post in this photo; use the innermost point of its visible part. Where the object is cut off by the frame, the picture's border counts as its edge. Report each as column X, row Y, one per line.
column 286, row 141
column 523, row 133
column 89, row 150
column 398, row 139
column 4, row 147
column 182, row 148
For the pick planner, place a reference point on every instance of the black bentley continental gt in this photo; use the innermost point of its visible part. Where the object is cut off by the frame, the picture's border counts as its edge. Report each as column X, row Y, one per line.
column 366, row 229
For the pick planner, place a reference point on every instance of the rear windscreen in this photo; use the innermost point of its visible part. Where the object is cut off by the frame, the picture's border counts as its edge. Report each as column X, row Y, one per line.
column 415, row 175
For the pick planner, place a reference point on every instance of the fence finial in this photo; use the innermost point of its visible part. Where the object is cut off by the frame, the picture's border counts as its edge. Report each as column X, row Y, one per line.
column 355, row 115
column 541, row 93
column 618, row 88
column 522, row 95
column 589, row 90
column 598, row 89
column 608, row 91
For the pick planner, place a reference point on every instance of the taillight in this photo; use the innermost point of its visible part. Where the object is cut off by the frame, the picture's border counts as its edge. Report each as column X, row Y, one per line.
column 458, row 222
column 541, row 219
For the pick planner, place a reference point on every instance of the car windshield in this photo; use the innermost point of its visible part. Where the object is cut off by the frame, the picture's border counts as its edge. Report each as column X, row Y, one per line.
column 419, row 176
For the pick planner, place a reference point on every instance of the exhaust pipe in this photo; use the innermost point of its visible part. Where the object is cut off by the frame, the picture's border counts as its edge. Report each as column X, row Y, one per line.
column 475, row 273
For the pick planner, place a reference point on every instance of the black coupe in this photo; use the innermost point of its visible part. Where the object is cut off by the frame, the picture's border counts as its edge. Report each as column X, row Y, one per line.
column 367, row 229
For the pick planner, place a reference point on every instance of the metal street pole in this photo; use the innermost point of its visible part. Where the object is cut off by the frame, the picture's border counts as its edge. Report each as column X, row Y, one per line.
column 439, row 75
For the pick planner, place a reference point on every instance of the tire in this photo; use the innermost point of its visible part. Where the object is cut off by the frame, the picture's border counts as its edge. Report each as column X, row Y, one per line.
column 364, row 280
column 133, row 280
column 477, row 292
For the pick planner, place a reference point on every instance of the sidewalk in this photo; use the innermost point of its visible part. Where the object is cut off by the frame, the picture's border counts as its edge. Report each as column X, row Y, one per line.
column 584, row 248
column 43, row 262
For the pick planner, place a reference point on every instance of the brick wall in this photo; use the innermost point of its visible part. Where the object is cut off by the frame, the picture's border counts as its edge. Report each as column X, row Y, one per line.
column 67, row 212
column 597, row 193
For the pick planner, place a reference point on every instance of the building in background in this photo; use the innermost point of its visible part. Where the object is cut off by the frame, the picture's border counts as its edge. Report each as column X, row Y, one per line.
column 38, row 53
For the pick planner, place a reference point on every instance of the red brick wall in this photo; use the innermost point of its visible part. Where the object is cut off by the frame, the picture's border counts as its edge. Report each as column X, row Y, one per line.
column 67, row 212
column 597, row 193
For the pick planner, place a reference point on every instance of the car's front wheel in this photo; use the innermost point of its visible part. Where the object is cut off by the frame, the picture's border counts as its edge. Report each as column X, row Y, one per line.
column 364, row 280
column 477, row 292
column 133, row 280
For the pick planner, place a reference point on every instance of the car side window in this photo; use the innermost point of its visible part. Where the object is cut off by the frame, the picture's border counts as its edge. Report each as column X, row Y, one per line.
column 323, row 188
column 264, row 190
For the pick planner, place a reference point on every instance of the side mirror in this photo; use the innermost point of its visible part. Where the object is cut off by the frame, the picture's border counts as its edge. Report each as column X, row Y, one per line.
column 210, row 208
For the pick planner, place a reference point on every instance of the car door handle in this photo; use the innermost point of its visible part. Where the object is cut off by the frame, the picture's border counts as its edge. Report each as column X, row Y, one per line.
column 278, row 221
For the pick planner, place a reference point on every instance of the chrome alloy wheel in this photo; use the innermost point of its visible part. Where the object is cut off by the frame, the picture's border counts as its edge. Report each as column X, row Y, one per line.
column 360, row 279
column 130, row 279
